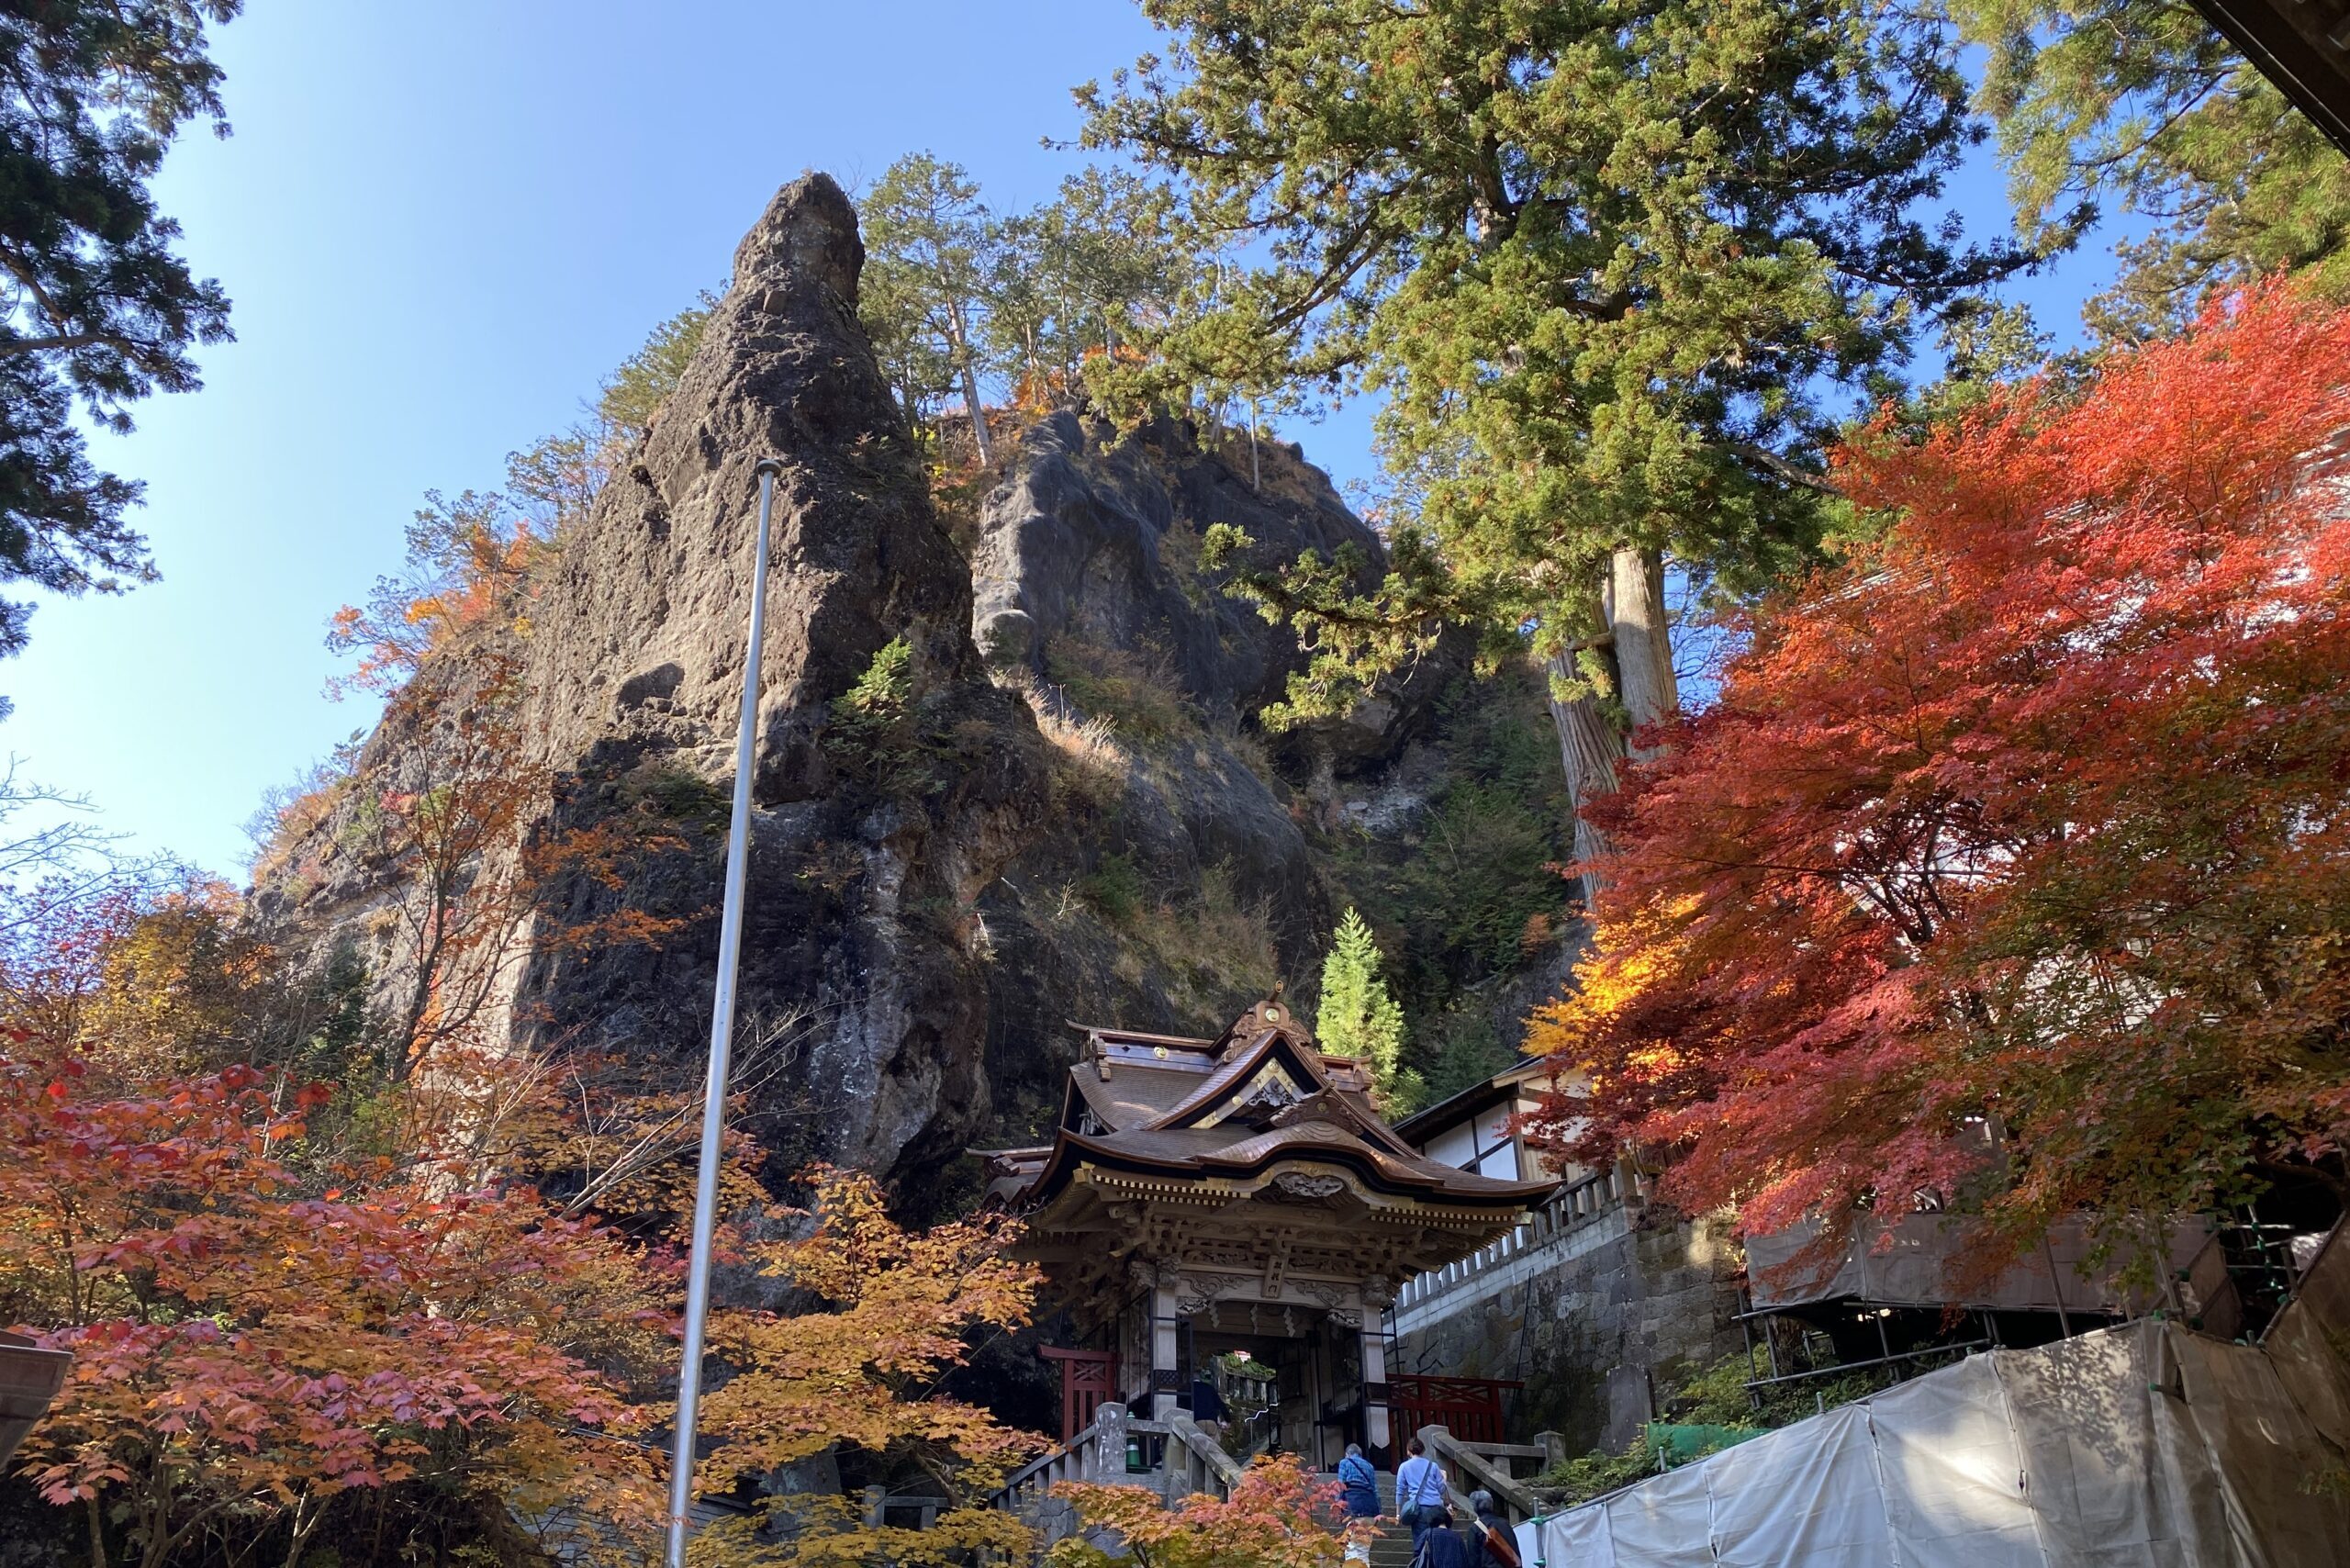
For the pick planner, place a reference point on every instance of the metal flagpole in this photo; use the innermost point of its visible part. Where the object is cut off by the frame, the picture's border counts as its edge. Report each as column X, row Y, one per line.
column 722, row 1039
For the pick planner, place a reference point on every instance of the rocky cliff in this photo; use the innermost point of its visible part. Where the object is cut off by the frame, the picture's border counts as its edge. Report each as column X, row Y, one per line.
column 1001, row 784
column 870, row 849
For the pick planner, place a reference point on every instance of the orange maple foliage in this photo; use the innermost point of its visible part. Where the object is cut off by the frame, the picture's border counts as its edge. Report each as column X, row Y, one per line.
column 880, row 1315
column 248, row 1347
column 2031, row 816
column 1279, row 1515
column 470, row 562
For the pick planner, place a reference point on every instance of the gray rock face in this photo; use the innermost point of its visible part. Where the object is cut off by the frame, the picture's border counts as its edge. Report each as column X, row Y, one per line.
column 640, row 640
column 1089, row 543
column 1092, row 826
column 858, row 970
column 1187, row 880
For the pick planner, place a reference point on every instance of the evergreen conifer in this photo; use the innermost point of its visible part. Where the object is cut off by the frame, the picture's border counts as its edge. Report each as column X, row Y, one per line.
column 1359, row 1018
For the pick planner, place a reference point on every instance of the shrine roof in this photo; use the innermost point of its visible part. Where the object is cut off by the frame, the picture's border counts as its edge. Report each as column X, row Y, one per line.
column 1258, row 1096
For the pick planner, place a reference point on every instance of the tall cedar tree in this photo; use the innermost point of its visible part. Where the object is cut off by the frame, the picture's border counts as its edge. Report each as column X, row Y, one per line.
column 1613, row 260
column 2031, row 814
column 94, row 308
column 2141, row 102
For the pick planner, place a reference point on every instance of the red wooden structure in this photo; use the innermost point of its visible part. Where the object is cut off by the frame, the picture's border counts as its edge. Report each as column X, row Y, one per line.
column 1088, row 1377
column 1468, row 1407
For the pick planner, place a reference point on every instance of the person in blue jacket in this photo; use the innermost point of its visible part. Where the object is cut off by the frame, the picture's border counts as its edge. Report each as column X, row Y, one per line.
column 1360, row 1483
column 1419, row 1489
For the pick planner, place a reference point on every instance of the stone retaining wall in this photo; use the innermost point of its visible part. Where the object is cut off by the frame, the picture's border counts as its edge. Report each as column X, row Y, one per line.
column 1591, row 1321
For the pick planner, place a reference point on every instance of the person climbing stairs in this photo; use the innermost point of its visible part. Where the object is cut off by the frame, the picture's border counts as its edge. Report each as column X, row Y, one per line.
column 1393, row 1546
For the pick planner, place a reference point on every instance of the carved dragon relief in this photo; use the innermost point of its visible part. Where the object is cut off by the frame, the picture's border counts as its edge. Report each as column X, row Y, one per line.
column 1307, row 1186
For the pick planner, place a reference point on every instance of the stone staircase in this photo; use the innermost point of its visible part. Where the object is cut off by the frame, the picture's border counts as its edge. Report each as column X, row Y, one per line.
column 1392, row 1548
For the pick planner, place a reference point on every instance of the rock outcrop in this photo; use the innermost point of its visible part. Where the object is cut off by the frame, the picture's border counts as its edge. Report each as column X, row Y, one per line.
column 994, row 793
column 1094, row 542
column 1186, row 875
column 859, row 974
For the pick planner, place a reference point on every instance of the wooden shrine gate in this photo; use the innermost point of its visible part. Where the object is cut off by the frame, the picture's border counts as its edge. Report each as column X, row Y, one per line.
column 1089, row 1378
column 1468, row 1407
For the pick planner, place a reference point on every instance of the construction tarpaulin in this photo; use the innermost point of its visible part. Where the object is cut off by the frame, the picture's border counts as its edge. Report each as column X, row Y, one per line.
column 1812, row 1496
column 2144, row 1446
column 1920, row 1260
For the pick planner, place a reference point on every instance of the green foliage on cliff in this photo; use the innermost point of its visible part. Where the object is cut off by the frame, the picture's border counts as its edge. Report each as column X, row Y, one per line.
column 1466, row 893
column 874, row 736
column 634, row 393
column 1115, row 889
column 1134, row 692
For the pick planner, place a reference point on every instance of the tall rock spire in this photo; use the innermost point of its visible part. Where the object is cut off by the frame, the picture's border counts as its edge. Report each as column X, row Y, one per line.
column 872, row 846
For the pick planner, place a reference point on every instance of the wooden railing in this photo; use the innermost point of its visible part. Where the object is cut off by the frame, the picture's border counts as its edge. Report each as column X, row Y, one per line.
column 1469, row 1407
column 1088, row 1378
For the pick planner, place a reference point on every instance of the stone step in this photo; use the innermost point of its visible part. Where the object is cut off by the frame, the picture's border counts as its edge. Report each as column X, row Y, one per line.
column 1393, row 1547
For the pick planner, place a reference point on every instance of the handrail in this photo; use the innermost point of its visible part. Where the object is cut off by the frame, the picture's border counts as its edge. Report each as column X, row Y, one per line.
column 1216, row 1471
column 1009, row 1490
column 1217, row 1465
column 1443, row 1445
column 1506, row 1451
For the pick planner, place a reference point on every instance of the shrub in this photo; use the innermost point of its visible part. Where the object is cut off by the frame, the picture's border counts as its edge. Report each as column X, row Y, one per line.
column 1140, row 695
column 874, row 736
column 1115, row 889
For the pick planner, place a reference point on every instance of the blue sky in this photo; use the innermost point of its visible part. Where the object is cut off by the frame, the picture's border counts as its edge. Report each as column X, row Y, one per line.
column 441, row 223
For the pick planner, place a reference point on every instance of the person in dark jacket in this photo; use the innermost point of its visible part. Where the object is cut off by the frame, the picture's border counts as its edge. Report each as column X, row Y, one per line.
column 1440, row 1544
column 1360, row 1483
column 1492, row 1543
column 1208, row 1410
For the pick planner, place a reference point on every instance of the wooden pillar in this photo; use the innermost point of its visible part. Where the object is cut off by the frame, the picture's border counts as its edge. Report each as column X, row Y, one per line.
column 1377, row 1436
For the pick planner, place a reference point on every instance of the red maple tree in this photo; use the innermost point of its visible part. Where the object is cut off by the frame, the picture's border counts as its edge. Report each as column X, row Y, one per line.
column 248, row 1347
column 2032, row 815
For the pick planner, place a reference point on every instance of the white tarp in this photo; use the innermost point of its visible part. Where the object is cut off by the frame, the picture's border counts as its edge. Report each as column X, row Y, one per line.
column 1662, row 1523
column 1799, row 1496
column 1578, row 1537
column 2117, row 1482
column 2139, row 1446
column 1953, row 1481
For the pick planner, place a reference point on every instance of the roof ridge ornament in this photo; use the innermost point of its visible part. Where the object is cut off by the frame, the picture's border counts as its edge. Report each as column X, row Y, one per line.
column 1273, row 1015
